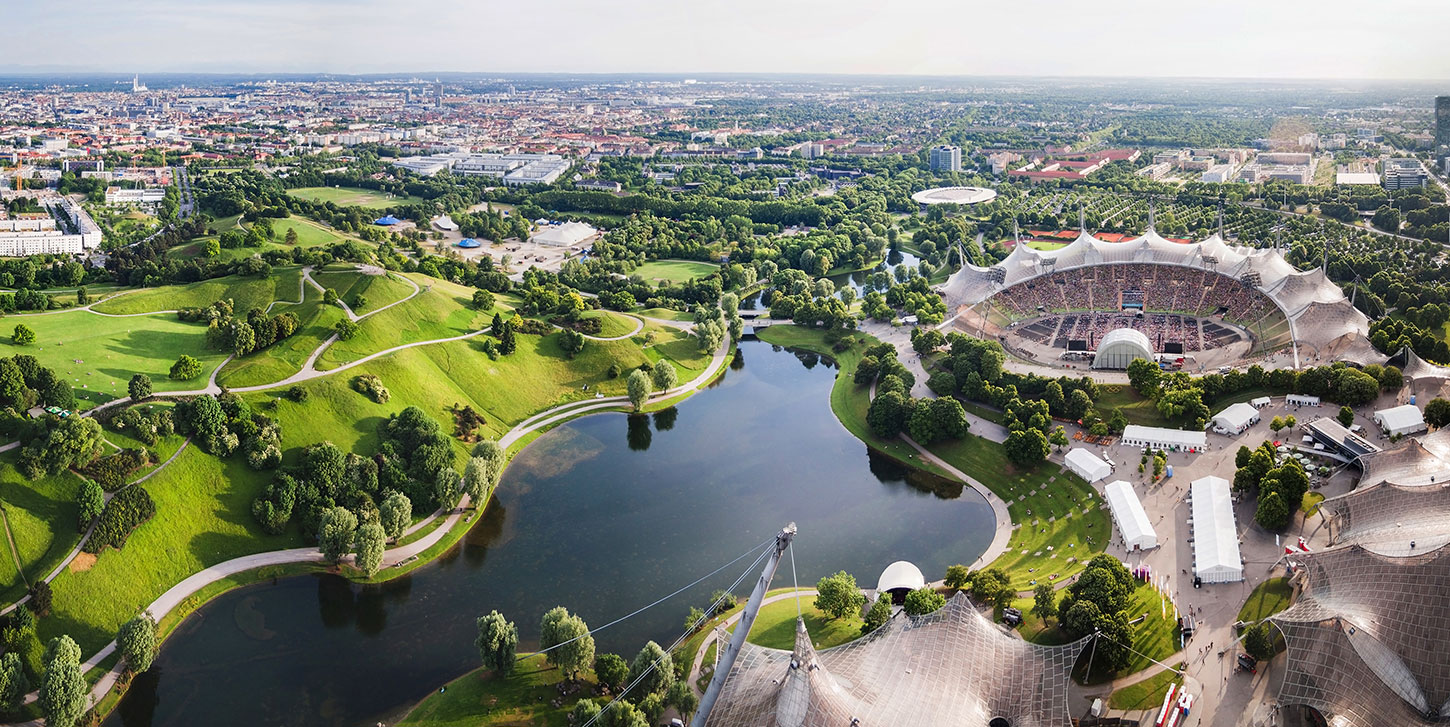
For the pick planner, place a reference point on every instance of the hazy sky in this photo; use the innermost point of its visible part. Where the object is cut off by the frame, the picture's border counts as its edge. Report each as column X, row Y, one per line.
column 1250, row 38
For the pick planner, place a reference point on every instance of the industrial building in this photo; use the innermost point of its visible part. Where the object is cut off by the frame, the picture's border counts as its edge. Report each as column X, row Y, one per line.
column 120, row 196
column 1404, row 174
column 513, row 169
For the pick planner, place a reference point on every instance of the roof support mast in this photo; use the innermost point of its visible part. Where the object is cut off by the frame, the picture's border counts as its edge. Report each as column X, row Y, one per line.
column 747, row 619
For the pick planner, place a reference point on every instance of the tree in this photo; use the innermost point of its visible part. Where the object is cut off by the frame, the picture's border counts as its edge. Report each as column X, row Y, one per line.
column 508, row 341
column 1026, row 447
column 482, row 299
column 887, row 414
column 186, row 368
column 1437, row 412
column 291, row 237
column 395, row 514
column 369, row 553
column 957, row 577
column 497, row 642
column 1058, row 438
column 571, row 342
column 923, row 601
column 567, row 637
column 682, row 698
column 213, row 248
column 329, row 296
column 22, row 336
column 40, row 596
column 1078, row 404
column 1276, row 424
column 1346, row 414
column 878, row 614
column 13, row 683
column 139, row 387
column 611, row 670
column 1044, row 601
column 62, row 684
column 1355, row 387
column 137, row 642
column 90, row 500
column 1259, row 641
column 838, row 596
column 346, row 329
column 652, row 670
column 477, row 482
column 638, row 386
column 1145, row 377
column 1272, row 513
column 335, row 532
column 993, row 586
column 664, row 375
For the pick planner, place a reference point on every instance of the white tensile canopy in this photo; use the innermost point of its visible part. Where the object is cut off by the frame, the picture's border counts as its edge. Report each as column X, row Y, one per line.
column 1216, row 556
column 1403, row 419
column 1129, row 515
column 1235, row 418
column 1087, row 465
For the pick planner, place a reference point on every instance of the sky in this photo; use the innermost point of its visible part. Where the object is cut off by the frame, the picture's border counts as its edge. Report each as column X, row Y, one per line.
column 1335, row 39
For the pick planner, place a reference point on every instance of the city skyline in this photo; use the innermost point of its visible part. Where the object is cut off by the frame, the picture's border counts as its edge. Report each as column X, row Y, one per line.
column 847, row 37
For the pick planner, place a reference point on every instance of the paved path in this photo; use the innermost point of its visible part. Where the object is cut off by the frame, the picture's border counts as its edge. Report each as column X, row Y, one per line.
column 364, row 269
column 999, row 508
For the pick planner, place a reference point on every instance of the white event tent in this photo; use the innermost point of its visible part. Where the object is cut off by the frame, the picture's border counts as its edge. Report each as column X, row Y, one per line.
column 1087, row 465
column 1138, row 533
column 1216, row 556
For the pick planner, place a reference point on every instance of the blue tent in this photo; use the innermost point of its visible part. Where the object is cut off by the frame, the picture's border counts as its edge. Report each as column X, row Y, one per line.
column 386, row 220
column 469, row 242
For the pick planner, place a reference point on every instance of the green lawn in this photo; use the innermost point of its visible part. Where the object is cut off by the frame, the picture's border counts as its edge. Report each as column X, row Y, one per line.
column 245, row 294
column 42, row 516
column 309, row 234
column 352, row 197
column 98, row 354
column 1137, row 409
column 667, row 314
column 1154, row 636
column 478, row 698
column 615, row 324
column 1147, row 694
column 441, row 310
column 1044, row 244
column 775, row 625
column 848, row 401
column 1060, row 519
column 203, row 516
column 348, row 282
column 284, row 358
column 1267, row 599
column 674, row 271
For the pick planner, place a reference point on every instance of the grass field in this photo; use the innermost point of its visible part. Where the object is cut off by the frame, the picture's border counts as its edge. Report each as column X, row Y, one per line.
column 674, row 271
column 774, row 627
column 351, row 197
column 42, row 517
column 478, row 698
column 615, row 324
column 1147, row 694
column 666, row 314
column 1135, row 408
column 1044, row 244
column 245, row 294
column 848, row 401
column 349, row 283
column 309, row 234
column 1267, row 599
column 1060, row 524
column 203, row 516
column 98, row 354
column 441, row 310
column 284, row 358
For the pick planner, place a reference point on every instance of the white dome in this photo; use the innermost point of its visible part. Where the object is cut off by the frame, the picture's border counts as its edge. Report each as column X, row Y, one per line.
column 900, row 574
column 1120, row 346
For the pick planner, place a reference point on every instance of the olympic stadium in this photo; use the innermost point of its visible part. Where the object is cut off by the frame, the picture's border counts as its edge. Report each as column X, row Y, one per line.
column 1193, row 305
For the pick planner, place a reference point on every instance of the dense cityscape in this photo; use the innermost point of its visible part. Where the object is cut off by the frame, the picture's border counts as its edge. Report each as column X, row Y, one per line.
column 719, row 398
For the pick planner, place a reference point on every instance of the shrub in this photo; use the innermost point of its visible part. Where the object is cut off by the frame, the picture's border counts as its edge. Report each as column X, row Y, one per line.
column 297, row 393
column 371, row 386
column 112, row 470
column 40, row 596
column 185, row 368
column 531, row 326
column 128, row 509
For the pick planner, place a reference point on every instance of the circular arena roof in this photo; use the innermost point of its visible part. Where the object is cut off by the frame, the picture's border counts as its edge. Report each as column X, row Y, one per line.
column 954, row 195
column 1120, row 346
column 900, row 574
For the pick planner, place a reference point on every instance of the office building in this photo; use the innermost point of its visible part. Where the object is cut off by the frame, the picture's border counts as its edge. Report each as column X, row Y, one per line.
column 1404, row 174
column 117, row 195
column 1442, row 122
column 946, row 158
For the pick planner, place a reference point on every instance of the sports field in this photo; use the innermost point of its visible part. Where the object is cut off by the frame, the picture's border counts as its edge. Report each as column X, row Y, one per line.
column 351, row 197
column 674, row 271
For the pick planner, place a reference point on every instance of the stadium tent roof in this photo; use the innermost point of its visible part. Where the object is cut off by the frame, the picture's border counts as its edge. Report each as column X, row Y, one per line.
column 950, row 667
column 1087, row 465
column 1120, row 346
column 1403, row 419
column 1386, row 517
column 900, row 574
column 569, row 233
column 444, row 222
column 1216, row 557
column 1421, row 460
column 1236, row 417
column 386, row 220
column 1129, row 515
column 469, row 243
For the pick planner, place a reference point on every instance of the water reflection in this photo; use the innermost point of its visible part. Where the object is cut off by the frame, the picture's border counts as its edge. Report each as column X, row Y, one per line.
column 600, row 514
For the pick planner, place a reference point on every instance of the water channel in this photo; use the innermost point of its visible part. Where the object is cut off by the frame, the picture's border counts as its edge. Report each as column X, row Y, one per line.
column 602, row 515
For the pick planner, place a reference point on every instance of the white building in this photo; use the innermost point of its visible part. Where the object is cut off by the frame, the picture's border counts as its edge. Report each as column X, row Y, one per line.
column 1403, row 419
column 946, row 158
column 1168, row 440
column 1120, row 347
column 901, row 577
column 1235, row 419
column 1301, row 400
column 1087, row 465
column 1138, row 533
column 42, row 237
column 568, row 234
column 117, row 195
column 1216, row 556
column 1217, row 174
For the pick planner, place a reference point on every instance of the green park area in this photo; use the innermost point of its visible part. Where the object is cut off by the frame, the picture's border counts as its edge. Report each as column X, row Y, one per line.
column 1267, row 599
column 674, row 271
column 309, row 234
column 352, row 197
column 478, row 698
column 244, row 292
column 98, row 354
column 377, row 290
column 1146, row 694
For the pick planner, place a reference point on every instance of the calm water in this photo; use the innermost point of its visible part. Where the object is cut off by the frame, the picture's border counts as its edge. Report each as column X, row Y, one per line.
column 602, row 515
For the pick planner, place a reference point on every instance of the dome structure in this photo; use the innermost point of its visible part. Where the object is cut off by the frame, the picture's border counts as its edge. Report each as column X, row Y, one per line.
column 900, row 576
column 954, row 195
column 1120, row 347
